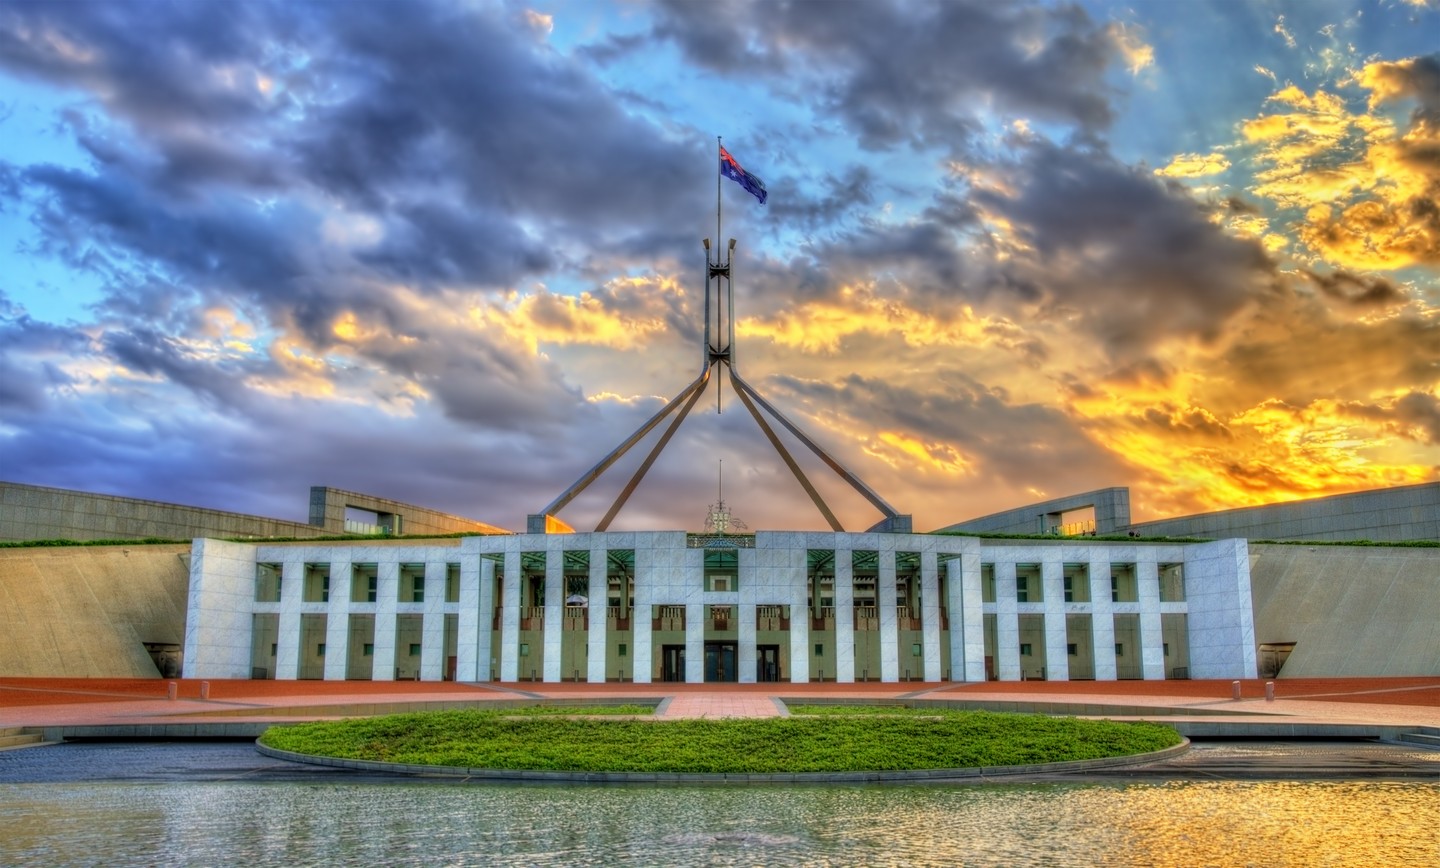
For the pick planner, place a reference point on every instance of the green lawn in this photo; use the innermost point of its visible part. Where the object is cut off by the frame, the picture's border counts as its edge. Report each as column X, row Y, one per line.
column 902, row 739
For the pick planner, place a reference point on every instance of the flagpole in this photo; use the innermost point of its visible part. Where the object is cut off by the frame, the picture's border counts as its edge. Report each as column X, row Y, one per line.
column 718, row 242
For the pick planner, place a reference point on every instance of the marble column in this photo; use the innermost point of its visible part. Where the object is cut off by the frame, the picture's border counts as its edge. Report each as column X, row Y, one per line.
column 1057, row 659
column 1152, row 636
column 889, row 627
column 1102, row 618
column 387, row 598
column 292, row 589
column 510, row 619
column 930, row 615
column 554, row 615
column 844, row 616
column 432, row 624
column 599, row 618
column 1007, row 623
column 337, row 623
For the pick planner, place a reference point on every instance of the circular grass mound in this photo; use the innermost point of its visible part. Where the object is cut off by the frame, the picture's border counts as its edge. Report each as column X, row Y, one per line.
column 905, row 741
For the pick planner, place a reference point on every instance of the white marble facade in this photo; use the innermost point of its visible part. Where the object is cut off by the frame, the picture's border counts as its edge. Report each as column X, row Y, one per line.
column 941, row 634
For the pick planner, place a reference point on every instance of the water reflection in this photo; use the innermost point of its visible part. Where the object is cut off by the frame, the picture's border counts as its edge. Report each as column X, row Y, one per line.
column 1183, row 823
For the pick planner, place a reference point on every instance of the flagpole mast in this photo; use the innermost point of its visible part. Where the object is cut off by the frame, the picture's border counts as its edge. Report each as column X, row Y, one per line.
column 719, row 314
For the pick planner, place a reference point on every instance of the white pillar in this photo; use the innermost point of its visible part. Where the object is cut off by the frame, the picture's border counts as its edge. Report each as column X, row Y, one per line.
column 799, row 627
column 337, row 623
column 432, row 624
column 889, row 627
column 1102, row 618
column 930, row 615
column 597, row 648
column 292, row 588
column 695, row 642
column 972, row 611
column 955, row 606
column 745, row 647
column 510, row 619
column 1007, row 623
column 467, row 644
column 1152, row 636
column 387, row 599
column 487, row 665
column 844, row 616
column 554, row 613
column 1057, row 660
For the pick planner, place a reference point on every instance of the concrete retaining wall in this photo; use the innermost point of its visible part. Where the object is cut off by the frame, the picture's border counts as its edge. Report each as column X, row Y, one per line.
column 87, row 611
column 1350, row 610
column 1407, row 512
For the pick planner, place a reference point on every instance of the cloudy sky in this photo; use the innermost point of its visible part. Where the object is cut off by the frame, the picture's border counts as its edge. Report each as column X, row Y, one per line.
column 449, row 252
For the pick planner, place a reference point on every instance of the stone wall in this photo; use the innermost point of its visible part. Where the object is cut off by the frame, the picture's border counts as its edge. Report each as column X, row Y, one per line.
column 1408, row 512
column 328, row 505
column 1112, row 514
column 30, row 512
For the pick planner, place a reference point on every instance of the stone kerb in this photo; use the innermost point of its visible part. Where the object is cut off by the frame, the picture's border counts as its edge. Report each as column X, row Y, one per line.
column 481, row 775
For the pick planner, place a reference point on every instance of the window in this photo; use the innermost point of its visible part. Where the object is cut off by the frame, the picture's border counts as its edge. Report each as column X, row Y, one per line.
column 1167, row 649
column 819, row 650
column 1029, row 583
column 624, row 649
column 368, row 650
column 1172, row 583
column 1072, row 649
column 320, row 650
column 1115, row 592
column 372, row 588
column 452, row 583
column 267, row 583
column 1024, row 649
column 316, row 583
column 411, row 585
column 414, row 649
column 1119, row 649
column 1069, row 590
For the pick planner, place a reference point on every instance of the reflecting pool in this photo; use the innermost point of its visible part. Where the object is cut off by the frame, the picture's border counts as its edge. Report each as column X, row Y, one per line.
column 1174, row 823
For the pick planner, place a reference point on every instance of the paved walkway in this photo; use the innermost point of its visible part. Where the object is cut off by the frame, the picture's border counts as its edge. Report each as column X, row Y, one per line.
column 713, row 705
column 85, row 702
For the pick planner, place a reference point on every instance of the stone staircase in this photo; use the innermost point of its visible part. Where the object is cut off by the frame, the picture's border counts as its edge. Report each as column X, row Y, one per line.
column 1425, row 736
column 18, row 736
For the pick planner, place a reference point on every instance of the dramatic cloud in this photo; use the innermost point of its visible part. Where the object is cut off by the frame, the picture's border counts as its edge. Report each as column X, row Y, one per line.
column 450, row 253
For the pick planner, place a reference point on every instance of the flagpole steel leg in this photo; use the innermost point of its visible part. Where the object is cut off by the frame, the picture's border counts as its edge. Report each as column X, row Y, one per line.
column 785, row 455
column 594, row 473
column 655, row 451
column 741, row 387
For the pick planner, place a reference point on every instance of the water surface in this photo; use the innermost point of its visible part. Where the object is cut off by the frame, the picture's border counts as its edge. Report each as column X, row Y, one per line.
column 1111, row 823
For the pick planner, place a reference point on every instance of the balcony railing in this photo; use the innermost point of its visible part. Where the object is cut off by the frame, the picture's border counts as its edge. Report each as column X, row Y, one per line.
column 670, row 618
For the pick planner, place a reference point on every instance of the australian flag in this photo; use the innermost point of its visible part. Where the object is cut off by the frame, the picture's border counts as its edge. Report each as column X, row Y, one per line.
column 732, row 170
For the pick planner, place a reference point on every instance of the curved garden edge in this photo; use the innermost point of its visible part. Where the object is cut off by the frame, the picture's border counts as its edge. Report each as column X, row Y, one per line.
column 902, row 776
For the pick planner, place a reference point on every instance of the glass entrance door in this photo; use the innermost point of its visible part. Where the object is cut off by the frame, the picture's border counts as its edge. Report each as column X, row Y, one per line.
column 672, row 662
column 720, row 662
column 767, row 665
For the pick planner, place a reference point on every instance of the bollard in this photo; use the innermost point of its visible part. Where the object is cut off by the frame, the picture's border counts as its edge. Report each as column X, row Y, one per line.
column 172, row 690
column 204, row 690
column 1235, row 690
column 1269, row 691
